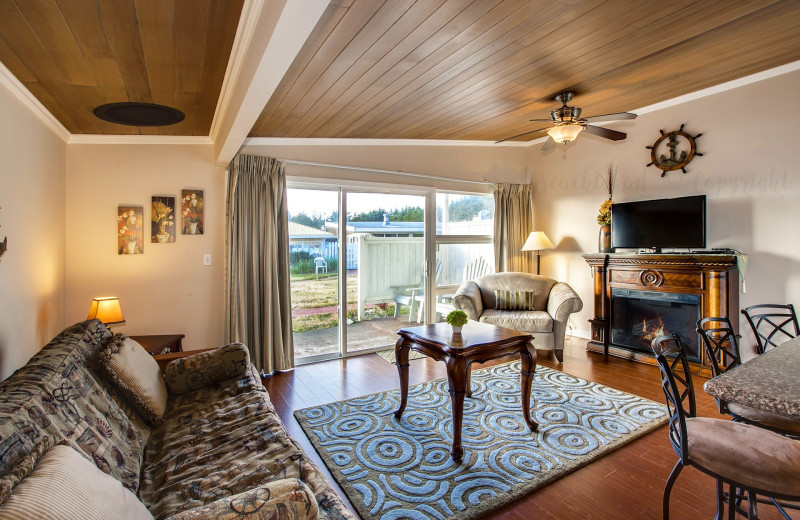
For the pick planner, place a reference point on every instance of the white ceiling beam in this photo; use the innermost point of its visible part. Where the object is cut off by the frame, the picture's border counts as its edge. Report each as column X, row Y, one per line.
column 270, row 35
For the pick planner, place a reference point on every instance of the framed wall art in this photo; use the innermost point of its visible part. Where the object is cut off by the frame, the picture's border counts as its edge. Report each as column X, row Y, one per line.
column 130, row 236
column 162, row 227
column 192, row 212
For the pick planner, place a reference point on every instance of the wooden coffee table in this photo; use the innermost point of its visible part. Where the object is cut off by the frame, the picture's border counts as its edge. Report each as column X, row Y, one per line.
column 477, row 343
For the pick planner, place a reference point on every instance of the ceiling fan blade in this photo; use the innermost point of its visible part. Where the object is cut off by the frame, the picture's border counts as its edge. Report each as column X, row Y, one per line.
column 549, row 144
column 520, row 135
column 539, row 119
column 606, row 133
column 611, row 117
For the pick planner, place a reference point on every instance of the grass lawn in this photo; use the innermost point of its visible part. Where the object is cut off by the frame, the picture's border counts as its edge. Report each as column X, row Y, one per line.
column 310, row 292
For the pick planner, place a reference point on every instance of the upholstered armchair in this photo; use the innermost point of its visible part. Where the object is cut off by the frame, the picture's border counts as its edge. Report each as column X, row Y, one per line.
column 552, row 304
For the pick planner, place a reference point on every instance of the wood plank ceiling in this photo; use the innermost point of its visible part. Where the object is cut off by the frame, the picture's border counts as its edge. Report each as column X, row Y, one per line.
column 74, row 55
column 460, row 69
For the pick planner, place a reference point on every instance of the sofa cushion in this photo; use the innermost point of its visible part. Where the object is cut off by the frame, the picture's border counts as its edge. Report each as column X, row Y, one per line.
column 57, row 395
column 541, row 285
column 273, row 500
column 58, row 483
column 514, row 300
column 526, row 321
column 137, row 375
column 193, row 372
column 222, row 440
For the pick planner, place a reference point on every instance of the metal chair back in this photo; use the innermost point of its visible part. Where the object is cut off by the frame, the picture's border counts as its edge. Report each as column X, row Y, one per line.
column 721, row 344
column 676, row 382
column 772, row 324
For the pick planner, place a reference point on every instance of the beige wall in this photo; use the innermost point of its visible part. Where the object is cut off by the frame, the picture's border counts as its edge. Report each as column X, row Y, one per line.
column 167, row 289
column 32, row 166
column 474, row 163
column 749, row 173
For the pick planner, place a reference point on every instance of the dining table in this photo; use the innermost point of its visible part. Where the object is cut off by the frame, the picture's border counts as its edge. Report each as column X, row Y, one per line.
column 768, row 382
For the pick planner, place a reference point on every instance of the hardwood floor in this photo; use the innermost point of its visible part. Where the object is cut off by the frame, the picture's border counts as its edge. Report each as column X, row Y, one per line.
column 625, row 484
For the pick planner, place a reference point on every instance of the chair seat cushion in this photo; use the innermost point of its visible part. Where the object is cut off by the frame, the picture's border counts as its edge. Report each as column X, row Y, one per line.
column 526, row 321
column 752, row 456
column 769, row 419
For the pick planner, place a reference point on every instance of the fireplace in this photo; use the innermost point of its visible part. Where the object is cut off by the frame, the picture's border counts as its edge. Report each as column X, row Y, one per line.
column 637, row 317
column 635, row 295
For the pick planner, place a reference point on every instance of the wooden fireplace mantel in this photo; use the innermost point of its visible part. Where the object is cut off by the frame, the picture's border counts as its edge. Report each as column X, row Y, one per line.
column 715, row 278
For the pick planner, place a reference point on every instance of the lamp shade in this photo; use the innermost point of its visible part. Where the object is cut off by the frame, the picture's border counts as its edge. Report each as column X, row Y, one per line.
column 565, row 133
column 537, row 240
column 107, row 310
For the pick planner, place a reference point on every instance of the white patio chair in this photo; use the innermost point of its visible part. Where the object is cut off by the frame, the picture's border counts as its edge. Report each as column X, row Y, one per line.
column 320, row 265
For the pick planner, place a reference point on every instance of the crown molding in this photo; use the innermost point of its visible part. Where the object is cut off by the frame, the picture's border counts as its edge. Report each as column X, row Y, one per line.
column 140, row 139
column 315, row 141
column 18, row 90
column 241, row 42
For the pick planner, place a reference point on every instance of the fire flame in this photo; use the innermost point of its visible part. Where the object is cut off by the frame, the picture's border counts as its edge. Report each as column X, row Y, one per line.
column 654, row 333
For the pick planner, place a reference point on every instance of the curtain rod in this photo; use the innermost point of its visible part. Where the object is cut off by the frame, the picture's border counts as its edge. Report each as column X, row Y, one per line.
column 375, row 170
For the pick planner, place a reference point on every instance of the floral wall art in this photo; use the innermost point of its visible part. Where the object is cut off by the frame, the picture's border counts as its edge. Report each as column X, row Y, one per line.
column 130, row 236
column 162, row 229
column 192, row 212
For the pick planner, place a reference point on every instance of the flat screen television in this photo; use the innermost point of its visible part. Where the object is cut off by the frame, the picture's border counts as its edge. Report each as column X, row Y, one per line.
column 659, row 224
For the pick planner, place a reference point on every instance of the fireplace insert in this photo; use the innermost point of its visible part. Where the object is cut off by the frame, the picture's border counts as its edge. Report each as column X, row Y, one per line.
column 637, row 317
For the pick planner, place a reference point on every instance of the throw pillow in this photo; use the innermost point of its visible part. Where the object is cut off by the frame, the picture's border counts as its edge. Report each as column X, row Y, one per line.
column 513, row 300
column 192, row 372
column 58, row 483
column 134, row 371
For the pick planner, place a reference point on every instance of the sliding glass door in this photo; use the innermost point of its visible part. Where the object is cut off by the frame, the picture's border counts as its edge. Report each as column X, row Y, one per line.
column 368, row 261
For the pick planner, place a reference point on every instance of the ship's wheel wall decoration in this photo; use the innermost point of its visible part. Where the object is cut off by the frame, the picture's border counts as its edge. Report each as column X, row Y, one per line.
column 674, row 160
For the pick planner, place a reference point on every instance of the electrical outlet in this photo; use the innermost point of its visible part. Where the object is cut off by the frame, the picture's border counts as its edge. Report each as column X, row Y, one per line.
column 207, row 259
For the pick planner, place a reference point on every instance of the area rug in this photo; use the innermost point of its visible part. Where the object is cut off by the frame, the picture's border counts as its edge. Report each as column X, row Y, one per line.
column 388, row 355
column 393, row 469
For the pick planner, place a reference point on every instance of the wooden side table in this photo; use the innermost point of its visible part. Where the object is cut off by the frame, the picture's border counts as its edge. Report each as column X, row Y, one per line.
column 478, row 343
column 161, row 344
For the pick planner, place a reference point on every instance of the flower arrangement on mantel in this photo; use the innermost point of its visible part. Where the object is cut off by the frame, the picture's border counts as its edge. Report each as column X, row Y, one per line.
column 604, row 216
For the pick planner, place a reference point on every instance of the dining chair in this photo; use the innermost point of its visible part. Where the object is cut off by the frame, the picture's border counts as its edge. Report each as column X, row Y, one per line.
column 722, row 350
column 747, row 458
column 771, row 322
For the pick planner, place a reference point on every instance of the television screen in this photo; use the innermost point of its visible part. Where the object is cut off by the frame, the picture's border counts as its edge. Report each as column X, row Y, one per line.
column 662, row 223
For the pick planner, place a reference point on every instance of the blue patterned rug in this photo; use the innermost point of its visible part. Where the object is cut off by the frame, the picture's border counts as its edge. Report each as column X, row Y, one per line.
column 393, row 469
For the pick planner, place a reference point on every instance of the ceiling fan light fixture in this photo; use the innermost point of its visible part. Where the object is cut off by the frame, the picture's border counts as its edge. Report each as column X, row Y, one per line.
column 565, row 133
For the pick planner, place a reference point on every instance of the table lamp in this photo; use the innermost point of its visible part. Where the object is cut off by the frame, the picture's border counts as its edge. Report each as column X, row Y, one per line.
column 537, row 241
column 107, row 310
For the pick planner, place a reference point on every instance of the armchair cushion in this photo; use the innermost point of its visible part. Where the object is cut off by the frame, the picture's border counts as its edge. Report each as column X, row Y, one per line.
column 190, row 373
column 529, row 321
column 514, row 300
column 540, row 285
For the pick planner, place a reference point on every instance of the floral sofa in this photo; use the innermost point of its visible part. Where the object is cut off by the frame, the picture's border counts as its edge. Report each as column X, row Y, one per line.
column 220, row 450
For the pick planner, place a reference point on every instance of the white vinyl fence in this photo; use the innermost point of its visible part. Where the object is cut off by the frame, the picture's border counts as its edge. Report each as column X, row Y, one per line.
column 386, row 267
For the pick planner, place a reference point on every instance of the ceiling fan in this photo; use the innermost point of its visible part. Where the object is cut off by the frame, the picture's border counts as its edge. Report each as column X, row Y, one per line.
column 567, row 124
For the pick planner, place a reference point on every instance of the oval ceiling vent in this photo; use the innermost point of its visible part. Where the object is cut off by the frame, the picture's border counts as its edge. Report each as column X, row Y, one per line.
column 138, row 114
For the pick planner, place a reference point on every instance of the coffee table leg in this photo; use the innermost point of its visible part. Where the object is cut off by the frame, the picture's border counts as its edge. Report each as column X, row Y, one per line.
column 456, row 379
column 401, row 360
column 528, row 367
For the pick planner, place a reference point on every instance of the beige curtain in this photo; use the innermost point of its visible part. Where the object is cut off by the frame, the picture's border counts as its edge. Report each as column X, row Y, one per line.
column 257, row 307
column 513, row 222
